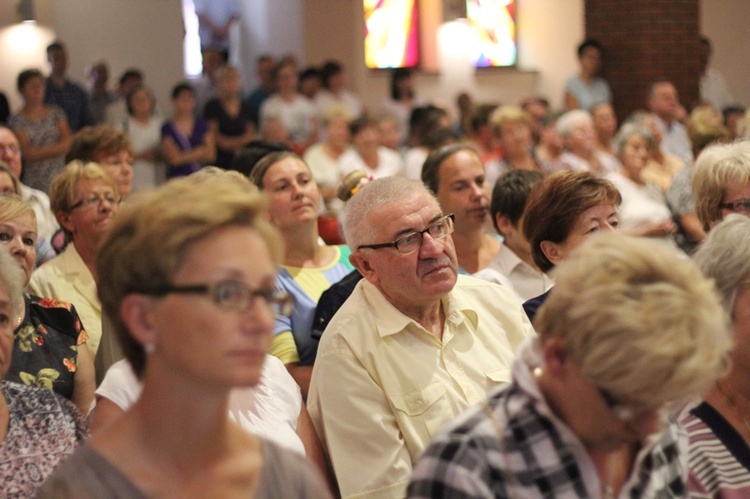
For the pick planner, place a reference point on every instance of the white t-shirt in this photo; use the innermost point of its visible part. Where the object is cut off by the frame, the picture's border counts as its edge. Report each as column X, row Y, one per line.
column 298, row 116
column 389, row 163
column 145, row 137
column 270, row 409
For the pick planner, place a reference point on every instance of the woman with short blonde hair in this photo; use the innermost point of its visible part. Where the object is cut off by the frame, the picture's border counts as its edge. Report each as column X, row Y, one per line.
column 629, row 329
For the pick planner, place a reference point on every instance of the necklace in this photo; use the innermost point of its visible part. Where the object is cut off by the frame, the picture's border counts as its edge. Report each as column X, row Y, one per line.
column 734, row 407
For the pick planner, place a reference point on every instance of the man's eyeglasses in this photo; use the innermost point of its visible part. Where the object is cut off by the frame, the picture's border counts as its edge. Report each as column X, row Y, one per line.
column 412, row 241
column 234, row 295
column 95, row 200
column 740, row 206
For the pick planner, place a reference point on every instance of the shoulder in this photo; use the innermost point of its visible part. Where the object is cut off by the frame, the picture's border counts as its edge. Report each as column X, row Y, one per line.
column 52, row 415
column 287, row 474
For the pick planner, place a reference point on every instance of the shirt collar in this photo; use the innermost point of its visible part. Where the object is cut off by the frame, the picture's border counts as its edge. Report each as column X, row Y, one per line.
column 389, row 320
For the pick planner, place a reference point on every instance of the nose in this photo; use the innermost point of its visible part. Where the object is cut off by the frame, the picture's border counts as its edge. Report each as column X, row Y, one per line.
column 431, row 247
column 17, row 247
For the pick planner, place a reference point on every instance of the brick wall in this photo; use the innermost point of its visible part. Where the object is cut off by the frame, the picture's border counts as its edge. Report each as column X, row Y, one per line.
column 645, row 40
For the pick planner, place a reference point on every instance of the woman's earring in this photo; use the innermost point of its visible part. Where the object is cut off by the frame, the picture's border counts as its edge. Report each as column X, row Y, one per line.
column 149, row 348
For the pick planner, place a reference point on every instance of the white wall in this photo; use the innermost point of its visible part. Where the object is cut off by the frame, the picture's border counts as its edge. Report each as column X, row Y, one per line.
column 725, row 22
column 142, row 33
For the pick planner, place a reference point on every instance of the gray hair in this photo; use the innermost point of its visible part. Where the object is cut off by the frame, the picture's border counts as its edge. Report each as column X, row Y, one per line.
column 567, row 121
column 725, row 257
column 628, row 130
column 375, row 194
column 12, row 279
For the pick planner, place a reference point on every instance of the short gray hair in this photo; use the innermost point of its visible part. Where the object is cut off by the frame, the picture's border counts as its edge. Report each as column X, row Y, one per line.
column 567, row 121
column 628, row 130
column 357, row 228
column 725, row 257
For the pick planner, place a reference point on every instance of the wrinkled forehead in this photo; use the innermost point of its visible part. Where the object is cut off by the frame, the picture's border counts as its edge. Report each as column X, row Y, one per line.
column 413, row 213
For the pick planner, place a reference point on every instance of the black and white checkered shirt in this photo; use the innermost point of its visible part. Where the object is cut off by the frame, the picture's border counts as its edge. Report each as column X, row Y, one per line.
column 538, row 455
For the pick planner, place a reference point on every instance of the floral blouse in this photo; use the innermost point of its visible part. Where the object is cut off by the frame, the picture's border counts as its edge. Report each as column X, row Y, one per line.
column 45, row 346
column 43, row 429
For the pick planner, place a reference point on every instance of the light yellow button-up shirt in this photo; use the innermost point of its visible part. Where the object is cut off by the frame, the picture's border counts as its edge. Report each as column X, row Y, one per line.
column 382, row 385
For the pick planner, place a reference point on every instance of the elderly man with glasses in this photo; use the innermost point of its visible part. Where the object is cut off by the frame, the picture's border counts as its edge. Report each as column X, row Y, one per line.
column 413, row 346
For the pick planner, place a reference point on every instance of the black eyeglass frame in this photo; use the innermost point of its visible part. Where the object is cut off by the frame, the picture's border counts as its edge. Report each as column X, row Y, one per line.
column 421, row 233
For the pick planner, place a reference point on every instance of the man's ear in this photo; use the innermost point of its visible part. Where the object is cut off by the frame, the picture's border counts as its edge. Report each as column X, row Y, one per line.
column 504, row 224
column 551, row 251
column 136, row 311
column 362, row 263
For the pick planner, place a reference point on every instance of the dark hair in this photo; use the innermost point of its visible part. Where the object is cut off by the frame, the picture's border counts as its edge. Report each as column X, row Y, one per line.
column 510, row 194
column 91, row 141
column 247, row 157
column 398, row 75
column 431, row 167
column 422, row 120
column 730, row 110
column 590, row 43
column 56, row 45
column 133, row 91
column 481, row 116
column 25, row 76
column 556, row 202
column 329, row 70
column 130, row 74
column 261, row 167
column 309, row 72
column 180, row 88
column 359, row 124
column 657, row 81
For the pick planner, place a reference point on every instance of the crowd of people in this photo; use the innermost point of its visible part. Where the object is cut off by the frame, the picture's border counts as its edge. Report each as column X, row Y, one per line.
column 292, row 293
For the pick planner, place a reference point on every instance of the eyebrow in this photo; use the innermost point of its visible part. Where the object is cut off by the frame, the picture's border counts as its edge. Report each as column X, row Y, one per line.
column 410, row 230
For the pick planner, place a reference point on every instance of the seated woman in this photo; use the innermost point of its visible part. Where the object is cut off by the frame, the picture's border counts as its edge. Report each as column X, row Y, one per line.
column 605, row 124
column 190, row 290
column 186, row 141
column 108, row 148
column 719, row 450
column 367, row 153
column 85, row 200
column 511, row 126
column 323, row 157
column 644, row 211
column 577, row 131
column 308, row 267
column 662, row 167
column 721, row 182
column 563, row 210
column 586, row 412
column 28, row 452
column 49, row 345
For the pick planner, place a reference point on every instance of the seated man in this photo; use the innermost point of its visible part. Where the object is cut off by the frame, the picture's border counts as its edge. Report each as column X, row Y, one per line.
column 514, row 259
column 413, row 346
column 586, row 414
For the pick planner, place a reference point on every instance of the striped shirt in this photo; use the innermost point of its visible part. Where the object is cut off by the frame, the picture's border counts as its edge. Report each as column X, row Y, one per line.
column 718, row 457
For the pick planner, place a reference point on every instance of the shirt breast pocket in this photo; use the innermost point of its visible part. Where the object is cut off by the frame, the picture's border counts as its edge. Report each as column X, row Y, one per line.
column 426, row 409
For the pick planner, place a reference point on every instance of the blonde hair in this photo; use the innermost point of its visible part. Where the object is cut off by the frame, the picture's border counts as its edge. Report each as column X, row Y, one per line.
column 718, row 167
column 507, row 114
column 640, row 321
column 148, row 239
column 13, row 206
column 63, row 187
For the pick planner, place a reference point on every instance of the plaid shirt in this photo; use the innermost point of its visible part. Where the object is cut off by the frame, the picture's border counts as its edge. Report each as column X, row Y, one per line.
column 538, row 456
